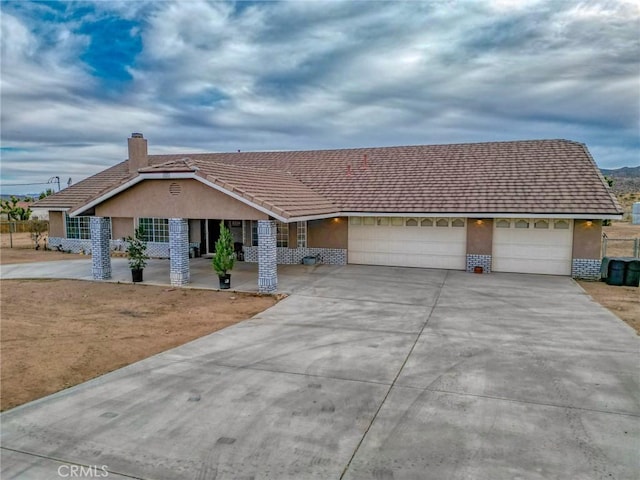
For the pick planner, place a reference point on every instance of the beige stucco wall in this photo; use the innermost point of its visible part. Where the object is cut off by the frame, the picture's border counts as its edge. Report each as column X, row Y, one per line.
column 56, row 224
column 121, row 227
column 587, row 239
column 293, row 235
column 328, row 233
column 151, row 198
column 479, row 236
column 194, row 231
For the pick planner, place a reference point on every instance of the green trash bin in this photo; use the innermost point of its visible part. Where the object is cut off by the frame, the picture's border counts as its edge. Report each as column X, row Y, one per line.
column 632, row 274
column 616, row 272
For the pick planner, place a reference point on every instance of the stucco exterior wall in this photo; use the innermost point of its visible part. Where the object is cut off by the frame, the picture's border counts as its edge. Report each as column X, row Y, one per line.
column 121, row 227
column 328, row 233
column 194, row 231
column 176, row 199
column 587, row 239
column 56, row 224
column 479, row 236
column 293, row 235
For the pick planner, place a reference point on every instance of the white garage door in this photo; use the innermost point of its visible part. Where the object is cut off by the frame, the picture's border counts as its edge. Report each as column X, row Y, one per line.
column 532, row 246
column 408, row 242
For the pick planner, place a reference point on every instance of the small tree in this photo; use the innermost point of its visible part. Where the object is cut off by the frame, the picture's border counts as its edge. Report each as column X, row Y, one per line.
column 13, row 211
column 46, row 193
column 224, row 258
column 38, row 228
column 137, row 250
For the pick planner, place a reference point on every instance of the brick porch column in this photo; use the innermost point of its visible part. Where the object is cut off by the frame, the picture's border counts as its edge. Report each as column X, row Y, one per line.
column 267, row 257
column 179, row 251
column 100, row 229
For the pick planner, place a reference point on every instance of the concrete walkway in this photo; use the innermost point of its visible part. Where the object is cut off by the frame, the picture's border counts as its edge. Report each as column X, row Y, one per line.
column 363, row 373
column 244, row 276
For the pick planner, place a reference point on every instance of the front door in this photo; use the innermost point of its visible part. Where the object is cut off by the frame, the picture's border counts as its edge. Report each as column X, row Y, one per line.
column 213, row 232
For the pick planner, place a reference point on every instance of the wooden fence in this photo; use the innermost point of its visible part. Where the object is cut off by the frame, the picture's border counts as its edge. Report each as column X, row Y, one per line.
column 15, row 226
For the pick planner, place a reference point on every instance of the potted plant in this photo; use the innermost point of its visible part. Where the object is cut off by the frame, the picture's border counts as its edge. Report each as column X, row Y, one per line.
column 224, row 258
column 137, row 253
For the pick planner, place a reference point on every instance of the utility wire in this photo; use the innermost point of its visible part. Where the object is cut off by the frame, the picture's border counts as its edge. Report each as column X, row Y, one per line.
column 19, row 184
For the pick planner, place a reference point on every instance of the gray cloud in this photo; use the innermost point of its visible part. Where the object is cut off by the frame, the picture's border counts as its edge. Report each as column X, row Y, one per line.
column 293, row 75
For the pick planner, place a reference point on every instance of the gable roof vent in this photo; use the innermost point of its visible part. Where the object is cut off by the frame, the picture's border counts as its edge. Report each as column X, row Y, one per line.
column 175, row 189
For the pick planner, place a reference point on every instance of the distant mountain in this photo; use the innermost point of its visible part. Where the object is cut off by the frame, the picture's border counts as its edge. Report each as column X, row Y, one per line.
column 625, row 179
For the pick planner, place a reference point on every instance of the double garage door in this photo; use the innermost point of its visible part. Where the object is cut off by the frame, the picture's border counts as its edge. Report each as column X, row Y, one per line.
column 519, row 245
column 408, row 242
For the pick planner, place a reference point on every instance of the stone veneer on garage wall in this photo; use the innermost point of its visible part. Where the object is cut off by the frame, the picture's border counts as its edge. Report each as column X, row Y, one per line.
column 587, row 249
column 479, row 244
column 586, row 268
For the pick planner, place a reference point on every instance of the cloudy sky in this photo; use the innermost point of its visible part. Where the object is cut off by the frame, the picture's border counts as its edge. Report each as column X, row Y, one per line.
column 78, row 77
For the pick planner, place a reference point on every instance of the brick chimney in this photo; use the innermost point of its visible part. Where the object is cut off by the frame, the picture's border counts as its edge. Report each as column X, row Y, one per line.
column 138, row 157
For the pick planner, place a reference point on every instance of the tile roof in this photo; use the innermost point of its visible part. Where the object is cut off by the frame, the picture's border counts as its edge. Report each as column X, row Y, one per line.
column 536, row 177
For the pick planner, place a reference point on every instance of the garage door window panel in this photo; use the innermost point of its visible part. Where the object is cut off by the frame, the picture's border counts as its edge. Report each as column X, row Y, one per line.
column 541, row 224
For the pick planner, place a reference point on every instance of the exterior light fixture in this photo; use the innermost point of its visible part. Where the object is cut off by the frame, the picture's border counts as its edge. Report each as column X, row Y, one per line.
column 589, row 223
column 479, row 222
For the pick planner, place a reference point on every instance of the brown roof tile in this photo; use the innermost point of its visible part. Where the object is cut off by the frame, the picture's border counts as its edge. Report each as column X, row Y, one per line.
column 536, row 177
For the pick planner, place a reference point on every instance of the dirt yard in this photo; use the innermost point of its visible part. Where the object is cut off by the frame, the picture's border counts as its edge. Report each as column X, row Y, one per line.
column 623, row 301
column 620, row 239
column 20, row 240
column 23, row 251
column 58, row 333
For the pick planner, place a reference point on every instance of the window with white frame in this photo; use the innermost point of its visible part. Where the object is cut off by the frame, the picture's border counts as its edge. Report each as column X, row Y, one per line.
column 302, row 234
column 282, row 233
column 78, row 227
column 155, row 229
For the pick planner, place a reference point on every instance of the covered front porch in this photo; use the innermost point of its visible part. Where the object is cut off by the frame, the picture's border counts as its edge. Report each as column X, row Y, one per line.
column 244, row 276
column 179, row 252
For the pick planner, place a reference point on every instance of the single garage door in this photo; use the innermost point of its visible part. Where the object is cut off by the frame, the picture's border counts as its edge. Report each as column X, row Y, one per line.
column 408, row 242
column 535, row 245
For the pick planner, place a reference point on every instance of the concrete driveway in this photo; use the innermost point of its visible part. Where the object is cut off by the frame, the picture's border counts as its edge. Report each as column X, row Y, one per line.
column 363, row 373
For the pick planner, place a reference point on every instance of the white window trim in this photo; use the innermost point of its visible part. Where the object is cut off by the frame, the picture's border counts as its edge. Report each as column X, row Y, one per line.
column 154, row 218
column 301, row 235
